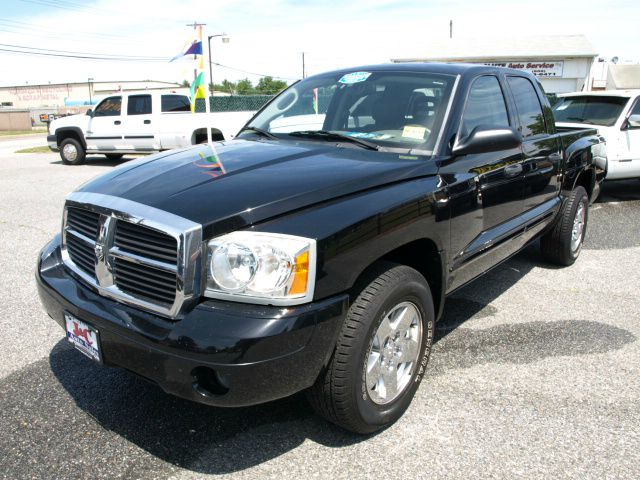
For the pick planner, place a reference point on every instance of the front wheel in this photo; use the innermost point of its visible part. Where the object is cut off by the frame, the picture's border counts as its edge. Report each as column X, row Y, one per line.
column 71, row 152
column 381, row 354
column 562, row 244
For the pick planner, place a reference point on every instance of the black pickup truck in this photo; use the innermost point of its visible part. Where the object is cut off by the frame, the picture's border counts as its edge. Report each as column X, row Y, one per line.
column 315, row 251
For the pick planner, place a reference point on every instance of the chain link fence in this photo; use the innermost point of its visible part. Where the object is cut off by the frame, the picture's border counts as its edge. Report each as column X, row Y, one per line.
column 236, row 103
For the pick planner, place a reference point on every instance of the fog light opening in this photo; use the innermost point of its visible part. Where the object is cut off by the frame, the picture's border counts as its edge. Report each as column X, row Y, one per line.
column 207, row 382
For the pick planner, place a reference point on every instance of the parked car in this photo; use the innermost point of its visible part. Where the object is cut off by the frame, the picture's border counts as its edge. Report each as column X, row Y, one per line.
column 319, row 259
column 616, row 115
column 138, row 122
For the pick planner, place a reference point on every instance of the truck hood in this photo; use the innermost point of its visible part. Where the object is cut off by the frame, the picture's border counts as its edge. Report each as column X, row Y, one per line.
column 71, row 121
column 230, row 185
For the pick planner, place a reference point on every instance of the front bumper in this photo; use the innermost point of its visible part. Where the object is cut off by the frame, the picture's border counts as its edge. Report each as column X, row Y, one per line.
column 220, row 353
column 52, row 141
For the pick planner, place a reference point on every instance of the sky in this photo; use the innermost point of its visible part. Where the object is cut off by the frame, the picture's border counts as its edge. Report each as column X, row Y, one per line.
column 268, row 37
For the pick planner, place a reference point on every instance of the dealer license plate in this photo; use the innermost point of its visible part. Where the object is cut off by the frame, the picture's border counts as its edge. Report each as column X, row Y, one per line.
column 84, row 337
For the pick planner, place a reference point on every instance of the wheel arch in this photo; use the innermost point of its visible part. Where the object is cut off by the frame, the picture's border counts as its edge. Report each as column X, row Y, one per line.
column 70, row 132
column 423, row 255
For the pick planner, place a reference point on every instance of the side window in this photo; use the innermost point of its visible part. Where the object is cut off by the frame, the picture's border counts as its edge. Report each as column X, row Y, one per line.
column 485, row 105
column 636, row 108
column 175, row 103
column 528, row 106
column 139, row 105
column 109, row 107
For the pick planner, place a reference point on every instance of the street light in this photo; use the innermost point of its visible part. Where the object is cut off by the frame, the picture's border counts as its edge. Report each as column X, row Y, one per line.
column 225, row 39
column 89, row 80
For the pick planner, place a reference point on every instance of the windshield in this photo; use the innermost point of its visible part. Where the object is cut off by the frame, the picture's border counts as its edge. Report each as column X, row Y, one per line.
column 388, row 109
column 591, row 109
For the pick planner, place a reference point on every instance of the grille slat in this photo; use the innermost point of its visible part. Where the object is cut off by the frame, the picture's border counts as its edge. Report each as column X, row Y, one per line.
column 146, row 242
column 82, row 254
column 145, row 274
column 85, row 221
column 142, row 280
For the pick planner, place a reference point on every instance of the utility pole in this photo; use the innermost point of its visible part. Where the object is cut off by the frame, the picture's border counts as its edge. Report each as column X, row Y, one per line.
column 304, row 73
column 89, row 80
column 450, row 28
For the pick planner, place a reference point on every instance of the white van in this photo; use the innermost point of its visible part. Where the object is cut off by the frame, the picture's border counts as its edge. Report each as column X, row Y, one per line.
column 616, row 114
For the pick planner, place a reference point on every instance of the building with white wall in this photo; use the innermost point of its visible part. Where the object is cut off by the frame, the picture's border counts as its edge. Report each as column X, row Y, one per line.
column 562, row 63
column 71, row 95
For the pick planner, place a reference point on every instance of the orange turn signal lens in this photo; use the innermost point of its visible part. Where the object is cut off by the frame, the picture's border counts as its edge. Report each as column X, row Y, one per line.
column 301, row 274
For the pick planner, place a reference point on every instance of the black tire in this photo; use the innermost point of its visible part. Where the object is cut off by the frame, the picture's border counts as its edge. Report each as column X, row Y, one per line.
column 340, row 394
column 556, row 244
column 74, row 154
column 113, row 156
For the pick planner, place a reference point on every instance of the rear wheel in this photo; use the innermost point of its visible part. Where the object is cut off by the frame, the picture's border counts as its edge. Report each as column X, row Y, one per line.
column 381, row 354
column 71, row 152
column 562, row 244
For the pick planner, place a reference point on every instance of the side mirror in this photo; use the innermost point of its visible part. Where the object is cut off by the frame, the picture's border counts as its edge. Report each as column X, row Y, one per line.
column 632, row 122
column 89, row 113
column 486, row 138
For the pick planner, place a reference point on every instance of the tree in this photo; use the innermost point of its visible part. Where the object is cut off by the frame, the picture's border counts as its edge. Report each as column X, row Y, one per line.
column 186, row 83
column 269, row 86
column 245, row 87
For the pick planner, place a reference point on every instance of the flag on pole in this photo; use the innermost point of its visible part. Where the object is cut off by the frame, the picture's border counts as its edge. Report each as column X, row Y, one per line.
column 315, row 100
column 192, row 48
column 198, row 90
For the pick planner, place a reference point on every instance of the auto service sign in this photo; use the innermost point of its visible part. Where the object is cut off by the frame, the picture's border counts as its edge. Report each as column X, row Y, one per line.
column 539, row 69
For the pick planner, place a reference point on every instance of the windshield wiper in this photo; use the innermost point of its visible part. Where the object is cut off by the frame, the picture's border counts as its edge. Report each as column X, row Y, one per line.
column 328, row 135
column 259, row 131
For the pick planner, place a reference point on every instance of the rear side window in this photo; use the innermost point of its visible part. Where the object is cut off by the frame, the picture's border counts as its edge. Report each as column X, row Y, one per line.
column 139, row 105
column 175, row 103
column 485, row 106
column 109, row 107
column 528, row 106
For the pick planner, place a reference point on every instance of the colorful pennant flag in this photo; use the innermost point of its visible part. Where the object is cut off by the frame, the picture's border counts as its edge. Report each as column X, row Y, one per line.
column 198, row 90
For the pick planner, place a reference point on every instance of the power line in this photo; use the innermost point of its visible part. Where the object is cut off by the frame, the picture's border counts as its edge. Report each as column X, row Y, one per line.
column 146, row 57
column 85, row 57
column 252, row 73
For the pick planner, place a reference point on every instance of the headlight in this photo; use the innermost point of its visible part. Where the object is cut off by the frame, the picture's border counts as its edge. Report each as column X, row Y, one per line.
column 265, row 268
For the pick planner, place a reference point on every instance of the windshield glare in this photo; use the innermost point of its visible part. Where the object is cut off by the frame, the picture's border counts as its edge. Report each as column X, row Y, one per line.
column 595, row 110
column 390, row 109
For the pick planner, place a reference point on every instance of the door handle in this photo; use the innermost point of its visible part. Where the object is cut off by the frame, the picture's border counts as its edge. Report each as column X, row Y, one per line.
column 117, row 122
column 513, row 170
column 147, row 122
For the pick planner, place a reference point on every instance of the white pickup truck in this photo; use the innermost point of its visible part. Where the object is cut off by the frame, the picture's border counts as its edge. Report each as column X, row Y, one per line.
column 616, row 115
column 138, row 122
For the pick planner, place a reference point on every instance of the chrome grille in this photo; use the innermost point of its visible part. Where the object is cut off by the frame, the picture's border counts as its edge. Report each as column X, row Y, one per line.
column 132, row 252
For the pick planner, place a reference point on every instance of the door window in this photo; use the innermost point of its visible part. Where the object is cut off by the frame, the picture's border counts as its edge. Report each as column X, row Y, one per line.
column 485, row 106
column 176, row 103
column 528, row 106
column 109, row 107
column 139, row 105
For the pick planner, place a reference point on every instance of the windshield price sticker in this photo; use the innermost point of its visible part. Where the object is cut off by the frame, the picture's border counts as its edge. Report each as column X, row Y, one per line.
column 354, row 77
column 410, row 131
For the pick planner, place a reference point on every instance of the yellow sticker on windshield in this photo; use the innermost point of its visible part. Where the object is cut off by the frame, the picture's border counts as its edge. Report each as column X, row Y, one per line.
column 411, row 131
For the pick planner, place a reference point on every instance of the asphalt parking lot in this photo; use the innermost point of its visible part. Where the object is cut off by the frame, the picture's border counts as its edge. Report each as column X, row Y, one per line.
column 535, row 374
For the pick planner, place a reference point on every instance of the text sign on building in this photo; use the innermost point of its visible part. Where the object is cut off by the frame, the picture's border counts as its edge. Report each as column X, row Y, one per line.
column 539, row 69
